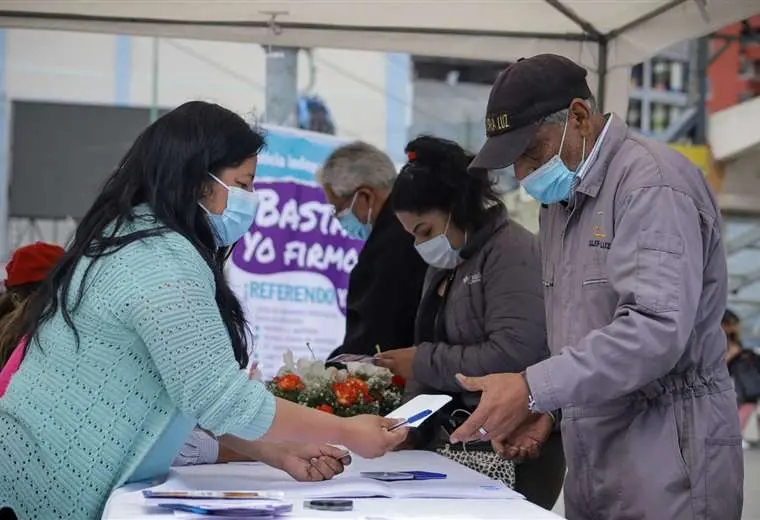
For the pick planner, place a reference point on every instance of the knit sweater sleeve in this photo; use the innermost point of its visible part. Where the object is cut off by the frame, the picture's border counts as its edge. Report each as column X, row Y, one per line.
column 168, row 301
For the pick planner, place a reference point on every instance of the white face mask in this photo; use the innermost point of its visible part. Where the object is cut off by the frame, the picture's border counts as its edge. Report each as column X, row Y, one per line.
column 437, row 251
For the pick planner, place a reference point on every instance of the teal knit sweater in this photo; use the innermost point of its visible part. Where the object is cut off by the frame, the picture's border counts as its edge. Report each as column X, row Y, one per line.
column 76, row 422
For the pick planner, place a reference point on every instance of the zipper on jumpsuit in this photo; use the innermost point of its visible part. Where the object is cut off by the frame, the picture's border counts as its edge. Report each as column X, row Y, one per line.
column 587, row 497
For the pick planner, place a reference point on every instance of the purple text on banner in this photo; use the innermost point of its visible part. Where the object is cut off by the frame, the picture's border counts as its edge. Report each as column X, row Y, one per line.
column 295, row 230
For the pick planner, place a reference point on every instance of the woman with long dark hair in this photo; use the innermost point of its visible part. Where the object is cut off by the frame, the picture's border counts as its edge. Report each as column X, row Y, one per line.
column 136, row 338
column 481, row 309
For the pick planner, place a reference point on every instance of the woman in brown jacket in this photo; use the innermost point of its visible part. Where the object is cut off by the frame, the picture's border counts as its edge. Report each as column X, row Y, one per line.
column 481, row 311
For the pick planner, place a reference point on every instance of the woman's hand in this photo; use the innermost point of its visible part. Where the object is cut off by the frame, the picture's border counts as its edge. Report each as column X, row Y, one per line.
column 398, row 361
column 305, row 462
column 368, row 435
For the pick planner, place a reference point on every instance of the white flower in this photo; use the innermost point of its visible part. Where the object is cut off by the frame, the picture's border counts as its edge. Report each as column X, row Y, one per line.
column 368, row 370
column 288, row 363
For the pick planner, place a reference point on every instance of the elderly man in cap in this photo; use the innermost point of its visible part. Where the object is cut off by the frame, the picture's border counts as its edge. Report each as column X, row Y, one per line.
column 635, row 288
column 385, row 285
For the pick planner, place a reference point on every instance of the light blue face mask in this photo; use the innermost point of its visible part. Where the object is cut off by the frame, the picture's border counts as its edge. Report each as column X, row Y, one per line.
column 438, row 252
column 353, row 227
column 553, row 181
column 237, row 217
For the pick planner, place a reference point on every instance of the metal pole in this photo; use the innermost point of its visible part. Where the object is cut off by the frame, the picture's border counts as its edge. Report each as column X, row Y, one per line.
column 281, row 86
column 602, row 86
column 154, row 86
column 5, row 129
column 703, row 59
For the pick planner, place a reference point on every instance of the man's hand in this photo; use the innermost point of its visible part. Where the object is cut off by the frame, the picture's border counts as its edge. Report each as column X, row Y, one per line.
column 503, row 407
column 525, row 442
column 398, row 361
column 306, row 462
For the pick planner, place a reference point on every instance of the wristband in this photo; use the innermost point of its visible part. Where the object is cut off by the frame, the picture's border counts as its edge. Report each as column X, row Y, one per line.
column 531, row 401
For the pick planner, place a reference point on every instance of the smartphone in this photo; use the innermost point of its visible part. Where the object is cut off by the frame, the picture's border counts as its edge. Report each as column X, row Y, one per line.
column 329, row 505
column 396, row 476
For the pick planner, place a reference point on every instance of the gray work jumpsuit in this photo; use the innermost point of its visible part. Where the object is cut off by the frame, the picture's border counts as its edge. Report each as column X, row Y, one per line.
column 635, row 284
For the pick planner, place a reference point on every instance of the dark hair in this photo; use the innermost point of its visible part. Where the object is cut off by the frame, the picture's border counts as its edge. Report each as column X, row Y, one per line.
column 13, row 304
column 437, row 178
column 730, row 318
column 166, row 168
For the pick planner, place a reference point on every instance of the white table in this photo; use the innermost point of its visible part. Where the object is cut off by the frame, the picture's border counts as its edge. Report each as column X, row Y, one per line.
column 128, row 503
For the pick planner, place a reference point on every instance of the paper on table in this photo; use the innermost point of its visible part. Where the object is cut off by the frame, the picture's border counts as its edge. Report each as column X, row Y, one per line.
column 461, row 482
column 419, row 404
column 358, row 487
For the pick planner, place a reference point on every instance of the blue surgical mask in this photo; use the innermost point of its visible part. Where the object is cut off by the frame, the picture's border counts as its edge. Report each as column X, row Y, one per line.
column 437, row 252
column 353, row 227
column 553, row 181
column 237, row 217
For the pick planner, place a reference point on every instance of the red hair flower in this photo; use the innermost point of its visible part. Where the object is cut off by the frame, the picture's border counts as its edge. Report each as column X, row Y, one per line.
column 411, row 156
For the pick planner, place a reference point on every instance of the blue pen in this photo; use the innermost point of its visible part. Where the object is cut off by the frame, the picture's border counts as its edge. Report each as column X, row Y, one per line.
column 413, row 419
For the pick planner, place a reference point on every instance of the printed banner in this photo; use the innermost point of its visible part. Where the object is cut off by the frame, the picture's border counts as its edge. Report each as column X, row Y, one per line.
column 291, row 269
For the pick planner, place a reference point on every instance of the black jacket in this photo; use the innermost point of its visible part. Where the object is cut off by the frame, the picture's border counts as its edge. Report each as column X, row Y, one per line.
column 383, row 290
column 745, row 370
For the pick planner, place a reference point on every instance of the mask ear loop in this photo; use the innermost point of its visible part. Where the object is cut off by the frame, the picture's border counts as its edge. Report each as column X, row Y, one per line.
column 496, row 461
column 583, row 152
column 564, row 133
column 217, row 179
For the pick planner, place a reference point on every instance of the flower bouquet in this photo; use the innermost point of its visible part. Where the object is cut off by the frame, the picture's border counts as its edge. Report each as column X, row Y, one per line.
column 361, row 388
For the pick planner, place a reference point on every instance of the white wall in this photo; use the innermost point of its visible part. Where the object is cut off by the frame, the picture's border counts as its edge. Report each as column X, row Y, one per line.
column 365, row 91
column 59, row 66
column 80, row 67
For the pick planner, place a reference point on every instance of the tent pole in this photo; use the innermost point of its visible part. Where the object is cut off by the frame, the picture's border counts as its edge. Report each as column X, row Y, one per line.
column 703, row 59
column 154, row 83
column 281, row 86
column 601, row 89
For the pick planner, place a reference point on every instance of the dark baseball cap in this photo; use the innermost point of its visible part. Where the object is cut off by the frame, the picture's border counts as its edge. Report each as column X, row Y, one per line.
column 523, row 95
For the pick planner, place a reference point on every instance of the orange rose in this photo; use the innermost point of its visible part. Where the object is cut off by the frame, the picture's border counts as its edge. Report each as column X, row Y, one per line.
column 290, row 383
column 325, row 408
column 345, row 393
column 358, row 385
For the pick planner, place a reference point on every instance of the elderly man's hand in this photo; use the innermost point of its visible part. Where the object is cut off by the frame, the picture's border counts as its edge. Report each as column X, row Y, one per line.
column 525, row 442
column 503, row 407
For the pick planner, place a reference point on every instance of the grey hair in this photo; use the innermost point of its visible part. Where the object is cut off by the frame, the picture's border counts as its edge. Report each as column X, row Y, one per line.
column 559, row 118
column 355, row 165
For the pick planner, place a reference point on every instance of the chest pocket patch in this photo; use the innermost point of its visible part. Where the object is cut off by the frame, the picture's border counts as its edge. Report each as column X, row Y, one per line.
column 658, row 271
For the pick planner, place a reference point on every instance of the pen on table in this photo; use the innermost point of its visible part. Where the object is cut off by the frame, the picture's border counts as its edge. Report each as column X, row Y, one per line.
column 411, row 420
column 214, row 494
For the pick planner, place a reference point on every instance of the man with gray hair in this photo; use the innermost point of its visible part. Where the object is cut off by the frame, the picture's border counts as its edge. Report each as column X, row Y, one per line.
column 635, row 280
column 384, row 288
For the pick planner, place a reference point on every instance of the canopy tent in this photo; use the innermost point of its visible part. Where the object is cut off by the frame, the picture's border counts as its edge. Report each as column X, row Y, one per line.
column 605, row 36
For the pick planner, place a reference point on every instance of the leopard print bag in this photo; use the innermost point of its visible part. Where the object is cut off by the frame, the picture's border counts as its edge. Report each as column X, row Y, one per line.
column 488, row 463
